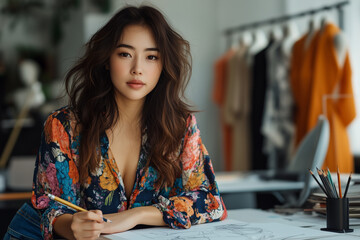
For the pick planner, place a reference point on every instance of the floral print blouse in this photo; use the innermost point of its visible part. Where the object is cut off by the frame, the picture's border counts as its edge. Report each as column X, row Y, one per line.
column 194, row 198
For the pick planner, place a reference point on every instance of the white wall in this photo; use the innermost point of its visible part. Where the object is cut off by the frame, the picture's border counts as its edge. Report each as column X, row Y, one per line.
column 233, row 13
column 353, row 33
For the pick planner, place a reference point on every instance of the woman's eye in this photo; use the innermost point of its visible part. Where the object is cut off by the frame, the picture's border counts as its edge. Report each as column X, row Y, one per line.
column 152, row 57
column 124, row 54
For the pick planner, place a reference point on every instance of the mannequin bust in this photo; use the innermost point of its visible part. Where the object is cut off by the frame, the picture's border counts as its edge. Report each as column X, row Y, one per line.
column 32, row 94
column 340, row 48
column 29, row 72
column 340, row 43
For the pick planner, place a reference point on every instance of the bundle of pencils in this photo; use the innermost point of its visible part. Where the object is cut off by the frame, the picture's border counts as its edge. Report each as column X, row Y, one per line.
column 328, row 186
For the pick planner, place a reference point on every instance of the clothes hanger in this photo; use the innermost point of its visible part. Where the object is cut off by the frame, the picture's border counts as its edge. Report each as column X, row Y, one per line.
column 290, row 29
column 245, row 38
column 230, row 43
column 276, row 33
column 290, row 35
column 325, row 19
column 311, row 30
column 259, row 40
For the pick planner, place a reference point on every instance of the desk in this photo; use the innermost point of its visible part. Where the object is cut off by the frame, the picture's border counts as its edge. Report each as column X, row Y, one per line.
column 300, row 219
column 256, row 224
column 239, row 189
column 238, row 182
column 15, row 196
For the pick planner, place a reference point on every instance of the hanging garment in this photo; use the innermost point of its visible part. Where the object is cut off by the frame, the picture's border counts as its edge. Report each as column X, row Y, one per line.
column 278, row 126
column 301, row 78
column 220, row 71
column 332, row 78
column 259, row 86
column 242, row 126
column 236, row 109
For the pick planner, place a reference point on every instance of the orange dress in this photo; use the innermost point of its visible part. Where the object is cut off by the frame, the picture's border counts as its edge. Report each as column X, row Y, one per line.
column 219, row 92
column 301, row 78
column 329, row 79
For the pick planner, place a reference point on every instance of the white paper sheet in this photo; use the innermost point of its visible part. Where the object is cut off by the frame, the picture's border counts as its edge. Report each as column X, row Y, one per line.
column 227, row 229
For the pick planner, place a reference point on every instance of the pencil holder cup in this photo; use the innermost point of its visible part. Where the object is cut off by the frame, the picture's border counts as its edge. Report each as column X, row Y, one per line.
column 337, row 215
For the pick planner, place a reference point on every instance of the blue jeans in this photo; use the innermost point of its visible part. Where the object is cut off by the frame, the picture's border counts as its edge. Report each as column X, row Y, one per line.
column 25, row 224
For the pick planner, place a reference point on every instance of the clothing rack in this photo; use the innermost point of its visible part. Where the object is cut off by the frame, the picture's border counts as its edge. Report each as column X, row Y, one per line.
column 339, row 6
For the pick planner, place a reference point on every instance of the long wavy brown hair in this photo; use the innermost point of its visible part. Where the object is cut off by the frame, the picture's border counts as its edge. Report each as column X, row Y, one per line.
column 164, row 115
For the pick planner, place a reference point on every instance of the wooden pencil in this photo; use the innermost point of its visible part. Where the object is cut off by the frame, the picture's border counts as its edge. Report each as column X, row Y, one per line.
column 322, row 188
column 69, row 204
column 322, row 178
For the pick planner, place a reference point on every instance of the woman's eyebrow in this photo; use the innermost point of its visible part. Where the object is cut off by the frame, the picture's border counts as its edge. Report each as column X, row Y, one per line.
column 132, row 48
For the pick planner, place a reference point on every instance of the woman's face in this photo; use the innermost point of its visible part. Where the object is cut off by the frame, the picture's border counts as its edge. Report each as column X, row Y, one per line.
column 135, row 65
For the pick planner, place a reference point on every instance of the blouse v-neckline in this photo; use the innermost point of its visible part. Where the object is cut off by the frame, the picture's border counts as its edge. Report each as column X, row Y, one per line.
column 116, row 171
column 109, row 156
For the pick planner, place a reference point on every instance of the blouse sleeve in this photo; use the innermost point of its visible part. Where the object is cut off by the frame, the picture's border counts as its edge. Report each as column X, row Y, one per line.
column 198, row 200
column 55, row 172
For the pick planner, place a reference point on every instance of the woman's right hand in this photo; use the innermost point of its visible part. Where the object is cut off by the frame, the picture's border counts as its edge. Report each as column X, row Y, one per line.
column 87, row 225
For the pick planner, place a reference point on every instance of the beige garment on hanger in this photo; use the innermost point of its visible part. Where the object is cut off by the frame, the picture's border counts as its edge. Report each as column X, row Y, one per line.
column 236, row 110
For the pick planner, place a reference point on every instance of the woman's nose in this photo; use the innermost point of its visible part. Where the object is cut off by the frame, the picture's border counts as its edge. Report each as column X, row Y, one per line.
column 137, row 67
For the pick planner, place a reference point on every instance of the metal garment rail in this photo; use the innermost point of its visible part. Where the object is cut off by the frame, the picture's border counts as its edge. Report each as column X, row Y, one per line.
column 339, row 6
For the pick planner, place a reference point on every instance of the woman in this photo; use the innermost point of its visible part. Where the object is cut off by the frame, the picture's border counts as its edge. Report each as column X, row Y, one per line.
column 127, row 147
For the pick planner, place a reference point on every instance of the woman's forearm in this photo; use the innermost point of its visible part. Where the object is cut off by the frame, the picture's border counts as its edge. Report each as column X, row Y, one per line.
column 151, row 216
column 128, row 219
column 62, row 226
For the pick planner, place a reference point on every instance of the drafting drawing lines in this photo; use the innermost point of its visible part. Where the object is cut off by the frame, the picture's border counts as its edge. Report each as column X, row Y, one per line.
column 228, row 231
column 244, row 231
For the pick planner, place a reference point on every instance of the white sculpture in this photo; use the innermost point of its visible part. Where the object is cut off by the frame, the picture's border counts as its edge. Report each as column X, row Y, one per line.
column 32, row 95
column 25, row 99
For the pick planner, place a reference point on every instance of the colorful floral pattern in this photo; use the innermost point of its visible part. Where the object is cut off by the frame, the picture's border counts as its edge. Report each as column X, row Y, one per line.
column 194, row 198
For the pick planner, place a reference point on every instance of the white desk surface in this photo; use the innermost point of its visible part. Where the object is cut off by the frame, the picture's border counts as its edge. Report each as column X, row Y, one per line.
column 237, row 182
column 304, row 220
column 292, row 227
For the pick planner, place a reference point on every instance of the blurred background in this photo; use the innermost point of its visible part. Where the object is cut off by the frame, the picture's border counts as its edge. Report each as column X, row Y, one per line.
column 41, row 39
column 52, row 33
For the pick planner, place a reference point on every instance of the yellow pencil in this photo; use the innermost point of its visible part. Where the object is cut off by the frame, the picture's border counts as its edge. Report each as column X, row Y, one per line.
column 69, row 204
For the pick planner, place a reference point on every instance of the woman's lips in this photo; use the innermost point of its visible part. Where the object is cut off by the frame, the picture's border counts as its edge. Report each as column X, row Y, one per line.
column 136, row 84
